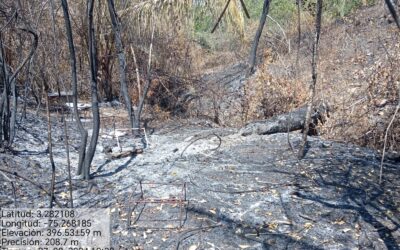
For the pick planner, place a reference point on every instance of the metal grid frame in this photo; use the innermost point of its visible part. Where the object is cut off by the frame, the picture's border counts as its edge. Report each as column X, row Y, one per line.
column 180, row 200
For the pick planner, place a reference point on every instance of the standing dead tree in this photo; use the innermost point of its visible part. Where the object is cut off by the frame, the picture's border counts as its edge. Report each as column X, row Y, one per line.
column 93, row 85
column 134, row 115
column 4, row 100
column 116, row 26
column 220, row 16
column 59, row 79
column 314, row 75
column 71, row 46
column 256, row 40
column 8, row 111
column 395, row 16
column 299, row 4
column 12, row 81
column 392, row 10
column 246, row 12
column 45, row 89
column 142, row 98
column 85, row 156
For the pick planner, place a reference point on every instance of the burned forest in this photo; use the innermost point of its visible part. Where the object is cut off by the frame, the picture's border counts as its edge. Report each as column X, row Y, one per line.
column 199, row 124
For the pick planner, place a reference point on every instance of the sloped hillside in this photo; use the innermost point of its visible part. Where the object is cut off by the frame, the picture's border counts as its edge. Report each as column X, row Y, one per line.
column 358, row 75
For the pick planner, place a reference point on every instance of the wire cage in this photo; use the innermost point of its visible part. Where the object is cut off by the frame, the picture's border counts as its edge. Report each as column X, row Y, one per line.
column 158, row 206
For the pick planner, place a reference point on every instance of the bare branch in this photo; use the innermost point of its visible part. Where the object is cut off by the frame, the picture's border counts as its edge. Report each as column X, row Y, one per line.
column 393, row 12
column 32, row 182
column 33, row 49
column 220, row 16
column 314, row 78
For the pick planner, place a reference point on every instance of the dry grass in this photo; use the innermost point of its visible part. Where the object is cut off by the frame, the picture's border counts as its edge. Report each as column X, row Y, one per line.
column 363, row 80
column 268, row 94
column 358, row 76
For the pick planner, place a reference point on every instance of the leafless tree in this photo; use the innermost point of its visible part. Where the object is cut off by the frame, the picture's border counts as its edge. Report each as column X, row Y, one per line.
column 8, row 110
column 393, row 12
column 256, row 40
column 56, row 62
column 116, row 26
column 93, row 84
column 134, row 115
column 395, row 16
column 45, row 89
column 299, row 5
column 314, row 74
column 71, row 46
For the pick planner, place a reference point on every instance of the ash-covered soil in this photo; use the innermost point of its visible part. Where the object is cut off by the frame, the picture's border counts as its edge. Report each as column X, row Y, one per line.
column 242, row 192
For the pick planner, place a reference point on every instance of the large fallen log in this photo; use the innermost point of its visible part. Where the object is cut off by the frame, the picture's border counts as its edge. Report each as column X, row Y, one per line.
column 123, row 152
column 291, row 121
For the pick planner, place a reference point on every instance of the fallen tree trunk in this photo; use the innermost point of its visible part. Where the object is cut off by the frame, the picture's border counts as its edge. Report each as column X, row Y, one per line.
column 291, row 121
column 125, row 153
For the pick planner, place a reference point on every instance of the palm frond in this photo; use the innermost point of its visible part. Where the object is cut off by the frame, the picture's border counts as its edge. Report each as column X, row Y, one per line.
column 170, row 12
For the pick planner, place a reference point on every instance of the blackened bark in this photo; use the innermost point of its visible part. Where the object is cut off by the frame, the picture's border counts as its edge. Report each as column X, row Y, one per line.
column 314, row 78
column 29, row 179
column 220, row 16
column 95, row 105
column 142, row 98
column 4, row 101
column 71, row 46
column 280, row 124
column 30, row 55
column 253, row 52
column 56, row 62
column 393, row 12
column 9, row 114
column 14, row 106
column 27, row 83
column 246, row 12
column 49, row 140
column 116, row 26
column 106, row 71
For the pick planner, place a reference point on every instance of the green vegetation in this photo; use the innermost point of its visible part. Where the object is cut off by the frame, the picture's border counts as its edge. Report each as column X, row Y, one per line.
column 341, row 8
column 283, row 12
column 203, row 19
